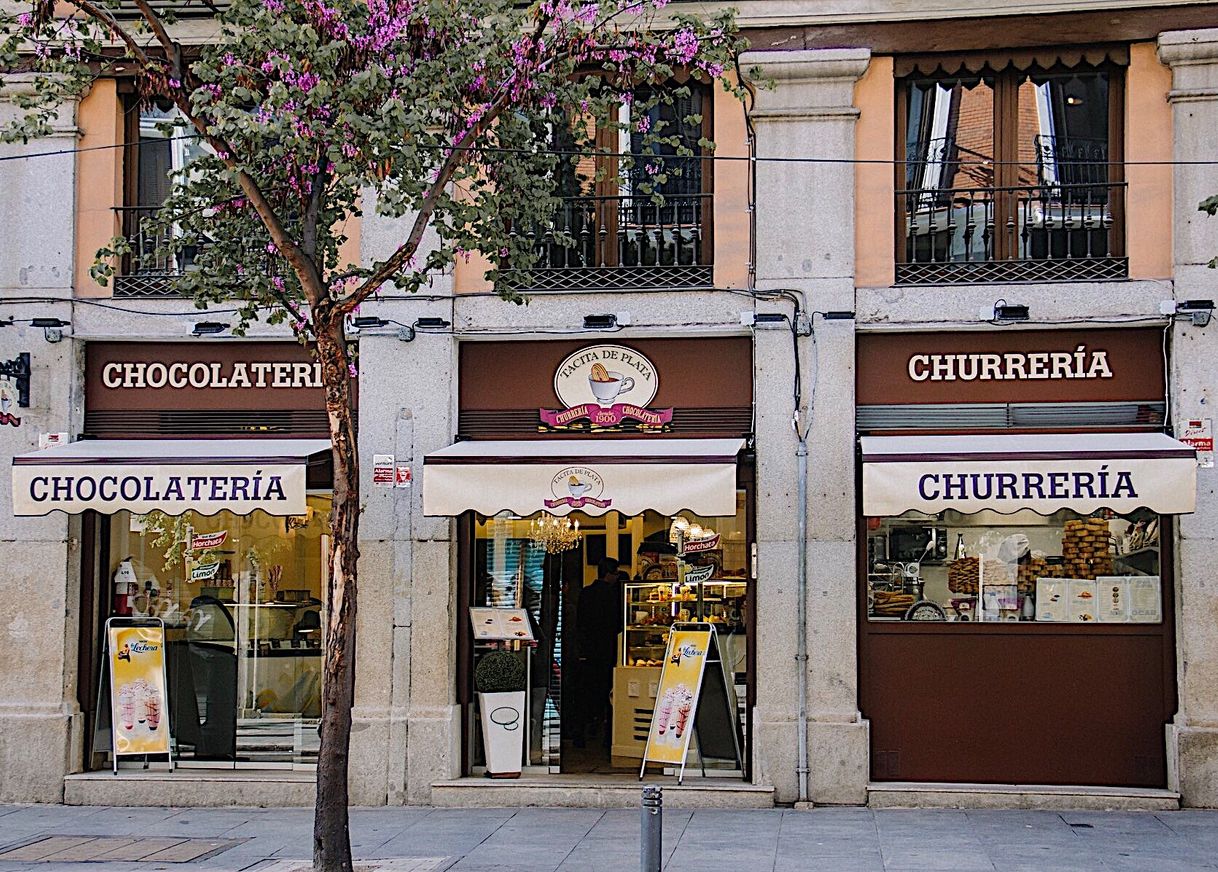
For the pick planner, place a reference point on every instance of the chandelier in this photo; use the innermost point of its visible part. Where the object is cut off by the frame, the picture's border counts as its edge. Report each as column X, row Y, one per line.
column 554, row 534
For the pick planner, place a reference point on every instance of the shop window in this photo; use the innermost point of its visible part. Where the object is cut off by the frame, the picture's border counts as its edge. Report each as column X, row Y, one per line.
column 1020, row 567
column 1010, row 171
column 600, row 649
column 648, row 225
column 242, row 601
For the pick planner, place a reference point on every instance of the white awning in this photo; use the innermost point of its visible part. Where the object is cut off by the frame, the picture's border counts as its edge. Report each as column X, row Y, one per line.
column 587, row 475
column 1043, row 472
column 167, row 475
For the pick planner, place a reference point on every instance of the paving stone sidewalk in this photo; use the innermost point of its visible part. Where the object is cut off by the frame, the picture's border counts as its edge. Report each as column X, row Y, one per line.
column 51, row 838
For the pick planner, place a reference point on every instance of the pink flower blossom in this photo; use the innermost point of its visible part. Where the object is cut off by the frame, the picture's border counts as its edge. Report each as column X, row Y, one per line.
column 685, row 45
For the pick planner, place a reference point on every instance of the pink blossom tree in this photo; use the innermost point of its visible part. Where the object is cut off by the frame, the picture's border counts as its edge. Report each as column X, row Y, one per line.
column 441, row 108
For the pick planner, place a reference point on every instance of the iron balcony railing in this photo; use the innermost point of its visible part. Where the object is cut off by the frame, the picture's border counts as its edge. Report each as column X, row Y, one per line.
column 1042, row 232
column 619, row 242
column 149, row 269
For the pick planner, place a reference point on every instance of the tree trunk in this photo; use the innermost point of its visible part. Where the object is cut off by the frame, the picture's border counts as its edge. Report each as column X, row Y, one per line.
column 331, row 833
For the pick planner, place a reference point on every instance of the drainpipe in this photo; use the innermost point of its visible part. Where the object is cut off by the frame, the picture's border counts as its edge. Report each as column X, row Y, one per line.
column 801, row 607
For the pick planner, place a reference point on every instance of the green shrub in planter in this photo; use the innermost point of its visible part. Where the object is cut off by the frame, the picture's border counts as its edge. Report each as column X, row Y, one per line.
column 499, row 672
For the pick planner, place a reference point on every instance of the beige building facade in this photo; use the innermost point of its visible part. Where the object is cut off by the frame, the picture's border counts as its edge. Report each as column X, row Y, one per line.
column 853, row 204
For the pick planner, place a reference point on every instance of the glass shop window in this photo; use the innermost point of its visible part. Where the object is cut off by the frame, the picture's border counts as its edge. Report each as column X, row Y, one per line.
column 590, row 640
column 242, row 601
column 1018, row 567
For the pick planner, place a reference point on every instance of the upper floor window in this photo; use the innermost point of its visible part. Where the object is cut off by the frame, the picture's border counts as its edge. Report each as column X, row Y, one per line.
column 162, row 152
column 611, row 230
column 1010, row 170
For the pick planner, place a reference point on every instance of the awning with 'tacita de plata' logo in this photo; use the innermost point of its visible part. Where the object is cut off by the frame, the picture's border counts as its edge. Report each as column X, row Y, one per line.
column 593, row 476
column 167, row 475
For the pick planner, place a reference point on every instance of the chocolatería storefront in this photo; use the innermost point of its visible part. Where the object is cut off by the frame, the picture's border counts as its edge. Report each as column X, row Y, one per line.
column 203, row 482
column 1017, row 586
column 571, row 463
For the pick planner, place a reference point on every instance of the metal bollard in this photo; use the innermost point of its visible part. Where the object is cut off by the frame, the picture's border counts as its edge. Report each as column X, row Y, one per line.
column 651, row 828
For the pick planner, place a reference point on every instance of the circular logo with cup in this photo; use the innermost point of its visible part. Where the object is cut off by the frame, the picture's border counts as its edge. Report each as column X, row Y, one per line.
column 577, row 487
column 606, row 385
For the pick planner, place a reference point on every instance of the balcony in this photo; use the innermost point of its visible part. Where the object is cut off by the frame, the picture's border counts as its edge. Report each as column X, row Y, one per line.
column 1060, row 220
column 148, row 270
column 1038, row 233
column 621, row 243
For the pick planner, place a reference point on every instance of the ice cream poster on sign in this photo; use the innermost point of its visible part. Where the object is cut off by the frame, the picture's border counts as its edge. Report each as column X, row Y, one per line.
column 672, row 722
column 138, row 708
column 606, row 386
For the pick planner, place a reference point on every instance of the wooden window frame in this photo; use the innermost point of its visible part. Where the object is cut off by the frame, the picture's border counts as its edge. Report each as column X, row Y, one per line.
column 1008, row 71
column 606, row 190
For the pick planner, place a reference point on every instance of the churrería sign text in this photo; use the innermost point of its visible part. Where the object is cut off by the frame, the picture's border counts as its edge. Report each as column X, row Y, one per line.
column 1102, row 484
column 1011, row 366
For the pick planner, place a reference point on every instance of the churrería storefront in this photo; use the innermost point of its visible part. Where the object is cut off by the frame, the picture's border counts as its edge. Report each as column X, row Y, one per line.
column 203, row 482
column 1017, row 587
column 572, row 461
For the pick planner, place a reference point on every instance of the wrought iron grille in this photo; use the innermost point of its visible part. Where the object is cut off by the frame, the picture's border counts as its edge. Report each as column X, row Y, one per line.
column 149, row 270
column 621, row 242
column 1052, row 231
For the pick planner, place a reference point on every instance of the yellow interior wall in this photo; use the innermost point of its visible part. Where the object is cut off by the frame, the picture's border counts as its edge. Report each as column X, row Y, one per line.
column 874, row 190
column 99, row 180
column 1148, row 137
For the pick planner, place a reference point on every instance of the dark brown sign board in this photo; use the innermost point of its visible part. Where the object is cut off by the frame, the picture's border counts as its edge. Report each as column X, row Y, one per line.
column 1010, row 366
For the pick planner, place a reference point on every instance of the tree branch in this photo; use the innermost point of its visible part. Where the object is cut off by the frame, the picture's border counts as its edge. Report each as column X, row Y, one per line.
column 100, row 13
column 308, row 239
column 172, row 51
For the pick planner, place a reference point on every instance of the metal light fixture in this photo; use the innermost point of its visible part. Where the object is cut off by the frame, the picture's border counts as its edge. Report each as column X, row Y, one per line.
column 432, row 323
column 18, row 371
column 1004, row 311
column 371, row 322
column 52, row 328
column 208, row 328
column 554, row 534
column 600, row 322
column 1200, row 310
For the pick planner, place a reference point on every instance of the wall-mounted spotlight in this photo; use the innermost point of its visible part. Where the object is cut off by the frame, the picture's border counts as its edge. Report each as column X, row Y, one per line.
column 372, row 322
column 607, row 321
column 52, row 328
column 1004, row 311
column 432, row 323
column 1200, row 310
column 208, row 328
column 764, row 320
column 368, row 322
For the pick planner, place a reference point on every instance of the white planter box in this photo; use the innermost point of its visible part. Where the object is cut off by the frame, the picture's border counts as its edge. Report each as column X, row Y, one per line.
column 503, row 717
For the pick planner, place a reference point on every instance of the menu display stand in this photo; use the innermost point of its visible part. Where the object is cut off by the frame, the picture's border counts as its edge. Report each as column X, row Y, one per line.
column 695, row 697
column 135, row 679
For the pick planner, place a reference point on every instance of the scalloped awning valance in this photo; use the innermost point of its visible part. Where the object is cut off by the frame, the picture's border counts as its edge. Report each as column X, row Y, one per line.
column 1042, row 472
column 973, row 63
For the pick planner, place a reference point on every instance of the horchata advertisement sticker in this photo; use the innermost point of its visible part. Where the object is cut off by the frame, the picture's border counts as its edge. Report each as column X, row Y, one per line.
column 672, row 722
column 137, row 689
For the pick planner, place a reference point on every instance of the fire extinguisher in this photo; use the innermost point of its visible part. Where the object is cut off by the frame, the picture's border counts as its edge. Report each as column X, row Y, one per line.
column 125, row 588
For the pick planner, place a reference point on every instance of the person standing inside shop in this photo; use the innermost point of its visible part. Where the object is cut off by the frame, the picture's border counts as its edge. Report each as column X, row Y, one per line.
column 600, row 622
